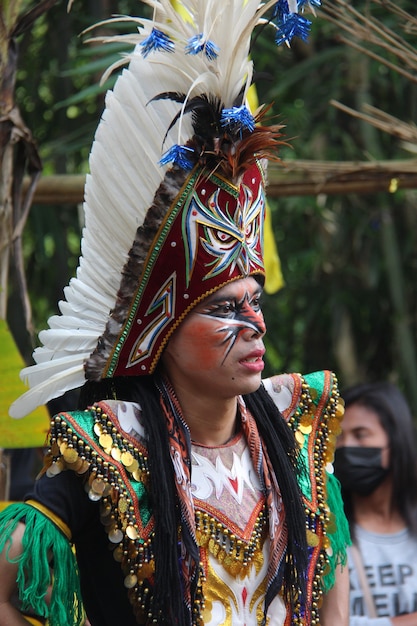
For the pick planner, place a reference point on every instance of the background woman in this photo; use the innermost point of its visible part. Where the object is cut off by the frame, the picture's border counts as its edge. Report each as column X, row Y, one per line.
column 376, row 462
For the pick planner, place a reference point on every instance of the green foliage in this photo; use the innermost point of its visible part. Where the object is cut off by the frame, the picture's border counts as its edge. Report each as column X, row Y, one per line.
column 339, row 285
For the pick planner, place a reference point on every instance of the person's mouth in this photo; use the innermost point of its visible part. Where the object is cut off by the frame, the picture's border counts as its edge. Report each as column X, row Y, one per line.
column 254, row 360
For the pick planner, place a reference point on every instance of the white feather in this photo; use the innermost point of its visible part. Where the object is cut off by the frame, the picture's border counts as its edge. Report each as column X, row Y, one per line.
column 49, row 387
column 125, row 174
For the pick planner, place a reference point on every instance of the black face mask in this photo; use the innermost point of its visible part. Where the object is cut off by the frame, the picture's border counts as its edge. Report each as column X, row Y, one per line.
column 359, row 469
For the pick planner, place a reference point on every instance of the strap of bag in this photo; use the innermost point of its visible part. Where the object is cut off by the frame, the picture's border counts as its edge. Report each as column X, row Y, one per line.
column 363, row 581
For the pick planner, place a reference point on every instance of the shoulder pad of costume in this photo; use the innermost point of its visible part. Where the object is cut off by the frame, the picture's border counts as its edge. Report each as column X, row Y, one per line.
column 113, row 464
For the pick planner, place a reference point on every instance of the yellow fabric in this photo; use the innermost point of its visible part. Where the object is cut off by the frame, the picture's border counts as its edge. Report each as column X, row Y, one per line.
column 30, row 432
column 274, row 280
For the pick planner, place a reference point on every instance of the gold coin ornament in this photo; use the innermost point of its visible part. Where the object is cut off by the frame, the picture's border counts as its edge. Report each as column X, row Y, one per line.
column 312, row 538
column 98, row 485
column 299, row 437
column 122, row 505
column 70, row 455
column 133, row 467
column 116, row 535
column 116, row 454
column 105, row 441
column 127, row 459
column 131, row 532
column 130, row 581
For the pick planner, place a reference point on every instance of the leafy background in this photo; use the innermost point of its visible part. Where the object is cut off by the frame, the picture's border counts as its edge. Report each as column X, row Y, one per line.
column 349, row 262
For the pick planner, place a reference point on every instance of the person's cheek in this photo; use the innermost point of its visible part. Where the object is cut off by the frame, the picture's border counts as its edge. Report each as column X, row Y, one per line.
column 204, row 345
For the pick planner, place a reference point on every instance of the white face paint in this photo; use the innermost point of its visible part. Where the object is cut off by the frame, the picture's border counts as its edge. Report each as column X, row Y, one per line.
column 218, row 348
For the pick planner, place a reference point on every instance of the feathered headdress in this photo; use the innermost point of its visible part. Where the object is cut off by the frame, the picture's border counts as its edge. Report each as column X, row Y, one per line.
column 176, row 168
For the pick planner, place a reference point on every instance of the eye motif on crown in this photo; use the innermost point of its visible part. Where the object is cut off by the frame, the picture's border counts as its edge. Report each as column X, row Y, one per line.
column 232, row 236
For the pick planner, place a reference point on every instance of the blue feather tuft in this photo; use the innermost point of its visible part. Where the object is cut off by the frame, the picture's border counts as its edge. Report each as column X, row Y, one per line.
column 198, row 44
column 183, row 156
column 237, row 119
column 157, row 40
column 293, row 25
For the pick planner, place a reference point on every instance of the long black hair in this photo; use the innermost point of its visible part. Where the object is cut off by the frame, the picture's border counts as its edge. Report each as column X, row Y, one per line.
column 393, row 411
column 282, row 450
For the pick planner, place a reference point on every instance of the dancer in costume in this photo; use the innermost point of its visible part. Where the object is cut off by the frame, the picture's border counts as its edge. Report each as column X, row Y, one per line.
column 191, row 492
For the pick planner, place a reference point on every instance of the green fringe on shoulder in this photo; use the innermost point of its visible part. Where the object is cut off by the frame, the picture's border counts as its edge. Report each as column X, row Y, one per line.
column 339, row 535
column 43, row 543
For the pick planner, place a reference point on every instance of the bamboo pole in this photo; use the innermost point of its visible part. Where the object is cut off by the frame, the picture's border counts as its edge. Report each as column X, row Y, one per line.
column 294, row 178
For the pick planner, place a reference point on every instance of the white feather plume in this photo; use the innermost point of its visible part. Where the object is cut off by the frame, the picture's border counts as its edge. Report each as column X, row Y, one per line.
column 125, row 174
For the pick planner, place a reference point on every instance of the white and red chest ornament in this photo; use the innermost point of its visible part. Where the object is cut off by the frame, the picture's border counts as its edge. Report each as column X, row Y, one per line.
column 211, row 235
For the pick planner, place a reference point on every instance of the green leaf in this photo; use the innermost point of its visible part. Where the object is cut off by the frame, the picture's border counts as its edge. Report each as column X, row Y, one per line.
column 31, row 431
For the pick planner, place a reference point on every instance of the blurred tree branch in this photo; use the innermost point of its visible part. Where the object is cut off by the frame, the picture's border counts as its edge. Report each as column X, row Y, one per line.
column 292, row 178
column 18, row 152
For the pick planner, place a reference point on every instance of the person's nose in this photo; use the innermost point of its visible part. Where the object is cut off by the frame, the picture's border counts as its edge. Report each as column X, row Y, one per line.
column 255, row 327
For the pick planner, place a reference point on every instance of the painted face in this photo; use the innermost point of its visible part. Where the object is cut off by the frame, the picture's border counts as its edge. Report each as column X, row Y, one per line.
column 361, row 427
column 218, row 348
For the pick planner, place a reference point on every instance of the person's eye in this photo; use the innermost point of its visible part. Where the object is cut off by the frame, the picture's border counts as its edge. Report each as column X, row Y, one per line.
column 221, row 309
column 227, row 309
column 361, row 435
column 256, row 303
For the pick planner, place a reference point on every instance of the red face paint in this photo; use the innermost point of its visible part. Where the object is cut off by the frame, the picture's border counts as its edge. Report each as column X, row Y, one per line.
column 219, row 347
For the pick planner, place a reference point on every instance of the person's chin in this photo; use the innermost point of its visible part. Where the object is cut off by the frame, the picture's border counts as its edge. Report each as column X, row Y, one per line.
column 251, row 385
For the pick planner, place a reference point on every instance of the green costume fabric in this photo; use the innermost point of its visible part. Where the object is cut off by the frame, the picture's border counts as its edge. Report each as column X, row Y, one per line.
column 337, row 526
column 44, row 547
column 314, row 416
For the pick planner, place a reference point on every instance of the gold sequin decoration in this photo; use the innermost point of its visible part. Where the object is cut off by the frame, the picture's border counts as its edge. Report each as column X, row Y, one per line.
column 122, row 505
column 70, row 455
column 133, row 467
column 130, row 581
column 105, row 441
column 131, row 532
column 306, row 420
column 116, row 535
column 116, row 454
column 98, row 485
column 340, row 408
column 126, row 458
column 312, row 538
column 236, row 555
column 299, row 437
column 118, row 553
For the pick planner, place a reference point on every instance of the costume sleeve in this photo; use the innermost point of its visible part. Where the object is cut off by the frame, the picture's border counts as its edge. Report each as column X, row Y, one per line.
column 54, row 514
column 316, row 423
column 338, row 531
column 45, row 546
column 313, row 409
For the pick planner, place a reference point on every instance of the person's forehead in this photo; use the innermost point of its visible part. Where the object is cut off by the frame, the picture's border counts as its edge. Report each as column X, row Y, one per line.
column 236, row 289
column 359, row 416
